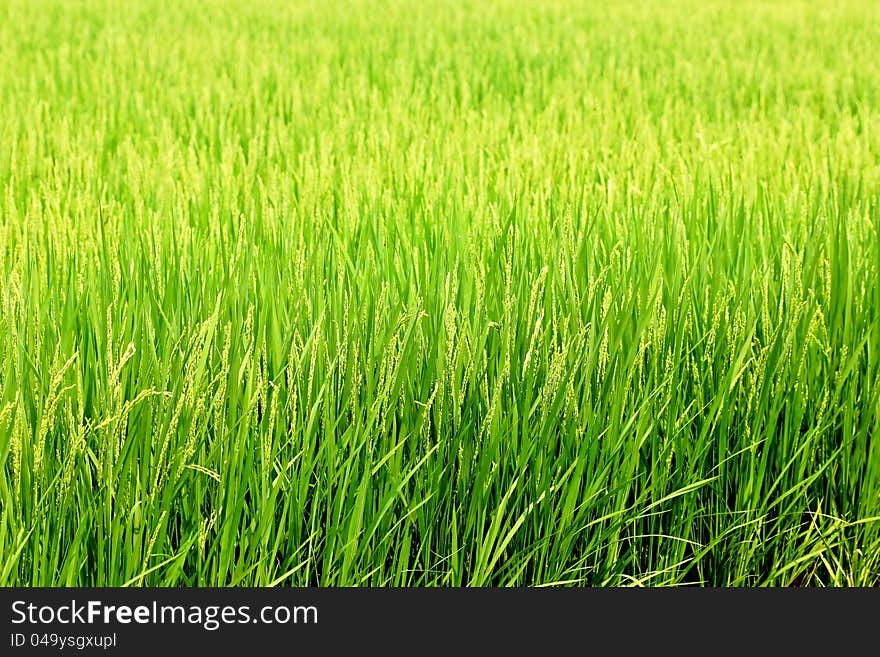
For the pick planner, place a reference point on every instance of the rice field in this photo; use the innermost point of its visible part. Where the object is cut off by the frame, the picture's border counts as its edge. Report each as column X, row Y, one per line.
column 510, row 292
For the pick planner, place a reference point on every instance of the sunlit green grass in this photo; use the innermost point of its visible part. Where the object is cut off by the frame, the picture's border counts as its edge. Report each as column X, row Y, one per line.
column 438, row 293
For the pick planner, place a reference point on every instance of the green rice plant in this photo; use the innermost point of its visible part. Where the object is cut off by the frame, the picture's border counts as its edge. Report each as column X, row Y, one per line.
column 439, row 294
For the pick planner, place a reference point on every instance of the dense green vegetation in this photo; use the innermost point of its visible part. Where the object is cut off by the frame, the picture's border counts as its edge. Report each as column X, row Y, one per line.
column 405, row 293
